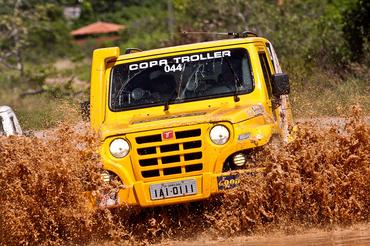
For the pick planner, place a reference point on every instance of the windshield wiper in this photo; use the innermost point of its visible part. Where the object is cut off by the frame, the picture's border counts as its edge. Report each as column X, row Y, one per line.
column 176, row 93
column 237, row 82
column 167, row 102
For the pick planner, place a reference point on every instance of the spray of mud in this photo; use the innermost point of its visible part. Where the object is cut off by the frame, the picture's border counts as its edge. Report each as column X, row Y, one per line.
column 320, row 180
column 42, row 187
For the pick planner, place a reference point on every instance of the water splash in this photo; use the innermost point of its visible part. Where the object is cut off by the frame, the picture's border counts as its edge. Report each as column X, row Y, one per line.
column 320, row 180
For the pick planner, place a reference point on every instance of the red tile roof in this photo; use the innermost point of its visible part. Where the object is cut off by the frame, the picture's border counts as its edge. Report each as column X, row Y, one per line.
column 98, row 28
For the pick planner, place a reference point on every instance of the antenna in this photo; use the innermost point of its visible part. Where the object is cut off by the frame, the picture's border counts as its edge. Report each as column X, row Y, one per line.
column 244, row 34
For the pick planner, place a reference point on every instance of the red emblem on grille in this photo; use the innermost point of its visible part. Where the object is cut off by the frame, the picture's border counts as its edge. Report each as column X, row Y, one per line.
column 167, row 135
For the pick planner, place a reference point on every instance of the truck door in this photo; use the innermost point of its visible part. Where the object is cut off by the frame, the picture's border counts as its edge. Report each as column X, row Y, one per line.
column 282, row 111
column 267, row 70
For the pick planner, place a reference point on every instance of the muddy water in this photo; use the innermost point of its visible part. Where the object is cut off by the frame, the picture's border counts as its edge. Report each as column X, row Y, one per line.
column 358, row 235
column 313, row 186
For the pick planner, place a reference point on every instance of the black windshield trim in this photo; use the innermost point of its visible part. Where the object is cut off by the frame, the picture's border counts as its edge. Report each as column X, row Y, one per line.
column 230, row 94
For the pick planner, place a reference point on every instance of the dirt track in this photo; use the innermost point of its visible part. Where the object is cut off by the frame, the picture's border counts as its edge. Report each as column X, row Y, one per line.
column 357, row 235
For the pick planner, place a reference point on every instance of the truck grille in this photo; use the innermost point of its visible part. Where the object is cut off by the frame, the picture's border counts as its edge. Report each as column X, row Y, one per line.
column 180, row 154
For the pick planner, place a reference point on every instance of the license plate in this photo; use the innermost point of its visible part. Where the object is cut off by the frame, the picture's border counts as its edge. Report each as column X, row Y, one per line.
column 173, row 189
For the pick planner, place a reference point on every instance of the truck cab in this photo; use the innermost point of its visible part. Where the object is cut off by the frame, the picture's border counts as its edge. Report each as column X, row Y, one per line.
column 178, row 124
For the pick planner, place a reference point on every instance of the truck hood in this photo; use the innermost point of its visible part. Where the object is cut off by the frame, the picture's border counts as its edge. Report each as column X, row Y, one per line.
column 139, row 123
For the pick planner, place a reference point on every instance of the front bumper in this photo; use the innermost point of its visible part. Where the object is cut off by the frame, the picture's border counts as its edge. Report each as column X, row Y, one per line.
column 137, row 187
column 207, row 185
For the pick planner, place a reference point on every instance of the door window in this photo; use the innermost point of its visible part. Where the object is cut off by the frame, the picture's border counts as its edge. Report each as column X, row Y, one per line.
column 266, row 72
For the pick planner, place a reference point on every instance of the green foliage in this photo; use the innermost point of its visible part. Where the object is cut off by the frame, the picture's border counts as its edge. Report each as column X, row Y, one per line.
column 326, row 94
column 300, row 30
column 50, row 33
column 45, row 111
column 309, row 30
column 30, row 32
column 145, row 21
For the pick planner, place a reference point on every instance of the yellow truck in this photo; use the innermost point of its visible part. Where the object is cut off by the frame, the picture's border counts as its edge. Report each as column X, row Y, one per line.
column 178, row 124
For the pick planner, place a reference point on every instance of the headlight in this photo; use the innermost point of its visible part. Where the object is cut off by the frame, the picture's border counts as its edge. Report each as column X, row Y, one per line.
column 119, row 148
column 219, row 134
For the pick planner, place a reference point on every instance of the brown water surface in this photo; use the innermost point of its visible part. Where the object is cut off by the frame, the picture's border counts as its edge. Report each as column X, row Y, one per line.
column 358, row 235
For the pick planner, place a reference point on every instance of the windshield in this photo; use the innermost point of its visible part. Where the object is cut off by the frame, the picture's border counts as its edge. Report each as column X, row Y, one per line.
column 177, row 79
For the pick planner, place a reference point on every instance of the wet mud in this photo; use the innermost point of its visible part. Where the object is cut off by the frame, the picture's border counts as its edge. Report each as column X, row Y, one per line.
column 357, row 235
column 319, row 181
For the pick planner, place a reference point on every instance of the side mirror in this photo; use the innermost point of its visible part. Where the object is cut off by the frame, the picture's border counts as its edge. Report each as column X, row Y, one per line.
column 280, row 84
column 85, row 110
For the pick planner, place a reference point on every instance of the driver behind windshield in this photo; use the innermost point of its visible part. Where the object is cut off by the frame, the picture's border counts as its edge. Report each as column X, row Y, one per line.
column 179, row 80
column 163, row 86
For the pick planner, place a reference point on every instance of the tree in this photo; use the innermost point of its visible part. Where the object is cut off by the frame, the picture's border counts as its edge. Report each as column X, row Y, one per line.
column 13, row 33
column 25, row 24
column 357, row 29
